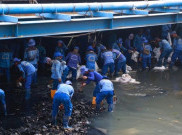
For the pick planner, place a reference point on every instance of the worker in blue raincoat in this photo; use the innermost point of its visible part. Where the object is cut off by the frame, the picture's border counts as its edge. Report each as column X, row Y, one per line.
column 166, row 50
column 120, row 61
column 63, row 96
column 106, row 89
column 89, row 76
column 42, row 56
column 5, row 62
column 73, row 59
column 28, row 71
column 3, row 102
column 129, row 47
column 31, row 55
column 91, row 58
column 145, row 55
column 100, row 49
column 177, row 47
column 58, row 66
column 119, row 45
column 165, row 30
column 108, row 60
column 62, row 48
column 138, row 44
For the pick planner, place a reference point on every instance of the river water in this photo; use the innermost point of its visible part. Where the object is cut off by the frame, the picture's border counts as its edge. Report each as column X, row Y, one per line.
column 153, row 107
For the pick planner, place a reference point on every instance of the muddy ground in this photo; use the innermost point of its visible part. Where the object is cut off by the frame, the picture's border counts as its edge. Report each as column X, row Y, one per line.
column 34, row 117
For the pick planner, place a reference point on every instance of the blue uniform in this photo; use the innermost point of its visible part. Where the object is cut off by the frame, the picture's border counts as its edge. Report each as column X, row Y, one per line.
column 166, row 51
column 165, row 30
column 72, row 61
column 177, row 46
column 63, row 96
column 2, row 97
column 129, row 48
column 108, row 59
column 32, row 56
column 2, row 100
column 91, row 58
column 146, row 58
column 96, row 77
column 106, row 91
column 5, row 63
column 28, row 71
column 42, row 56
column 99, row 52
column 120, row 61
column 57, row 71
column 138, row 43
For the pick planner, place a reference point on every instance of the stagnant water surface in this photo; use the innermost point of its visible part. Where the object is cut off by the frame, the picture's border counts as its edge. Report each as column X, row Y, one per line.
column 153, row 107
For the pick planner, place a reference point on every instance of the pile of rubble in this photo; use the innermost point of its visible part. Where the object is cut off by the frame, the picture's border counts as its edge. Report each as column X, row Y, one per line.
column 39, row 122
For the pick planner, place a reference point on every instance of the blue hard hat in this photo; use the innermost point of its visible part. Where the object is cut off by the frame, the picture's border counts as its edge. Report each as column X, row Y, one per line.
column 57, row 54
column 102, row 47
column 76, row 47
column 144, row 40
column 120, row 41
column 47, row 59
column 68, row 82
column 31, row 42
column 83, row 70
column 60, row 41
column 90, row 48
column 16, row 60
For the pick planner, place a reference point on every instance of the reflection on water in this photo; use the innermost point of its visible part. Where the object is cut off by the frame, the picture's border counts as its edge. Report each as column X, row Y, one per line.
column 150, row 108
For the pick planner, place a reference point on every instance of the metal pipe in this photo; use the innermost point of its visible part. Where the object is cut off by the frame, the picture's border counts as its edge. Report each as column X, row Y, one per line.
column 81, row 7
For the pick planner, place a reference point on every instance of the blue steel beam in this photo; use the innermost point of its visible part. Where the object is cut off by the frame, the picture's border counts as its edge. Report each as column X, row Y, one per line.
column 58, row 27
column 97, row 14
column 84, row 7
column 7, row 18
column 166, row 10
column 133, row 12
column 55, row 16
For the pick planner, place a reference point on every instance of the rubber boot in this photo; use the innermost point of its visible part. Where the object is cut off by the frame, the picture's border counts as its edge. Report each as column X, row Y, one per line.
column 93, row 102
column 27, row 94
column 54, row 121
column 110, row 108
column 97, row 107
column 65, row 123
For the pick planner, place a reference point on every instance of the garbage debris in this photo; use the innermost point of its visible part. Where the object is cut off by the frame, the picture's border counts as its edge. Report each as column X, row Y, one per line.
column 39, row 122
column 126, row 78
column 160, row 68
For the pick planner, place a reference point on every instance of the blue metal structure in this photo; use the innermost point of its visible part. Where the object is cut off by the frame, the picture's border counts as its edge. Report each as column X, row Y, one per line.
column 56, row 19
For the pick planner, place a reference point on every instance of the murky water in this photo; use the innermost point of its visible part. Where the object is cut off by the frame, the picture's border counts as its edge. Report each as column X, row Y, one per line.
column 153, row 107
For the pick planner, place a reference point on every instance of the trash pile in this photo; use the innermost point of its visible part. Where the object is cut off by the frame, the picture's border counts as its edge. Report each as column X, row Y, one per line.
column 39, row 122
column 126, row 78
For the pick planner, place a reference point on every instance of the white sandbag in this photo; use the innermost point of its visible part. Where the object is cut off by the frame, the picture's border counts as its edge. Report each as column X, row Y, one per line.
column 79, row 73
column 169, row 58
column 128, row 68
column 169, row 38
column 157, row 53
column 134, row 56
column 126, row 78
column 160, row 68
column 96, row 67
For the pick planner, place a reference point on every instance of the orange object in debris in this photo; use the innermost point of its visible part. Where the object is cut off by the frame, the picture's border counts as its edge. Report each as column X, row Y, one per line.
column 53, row 93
